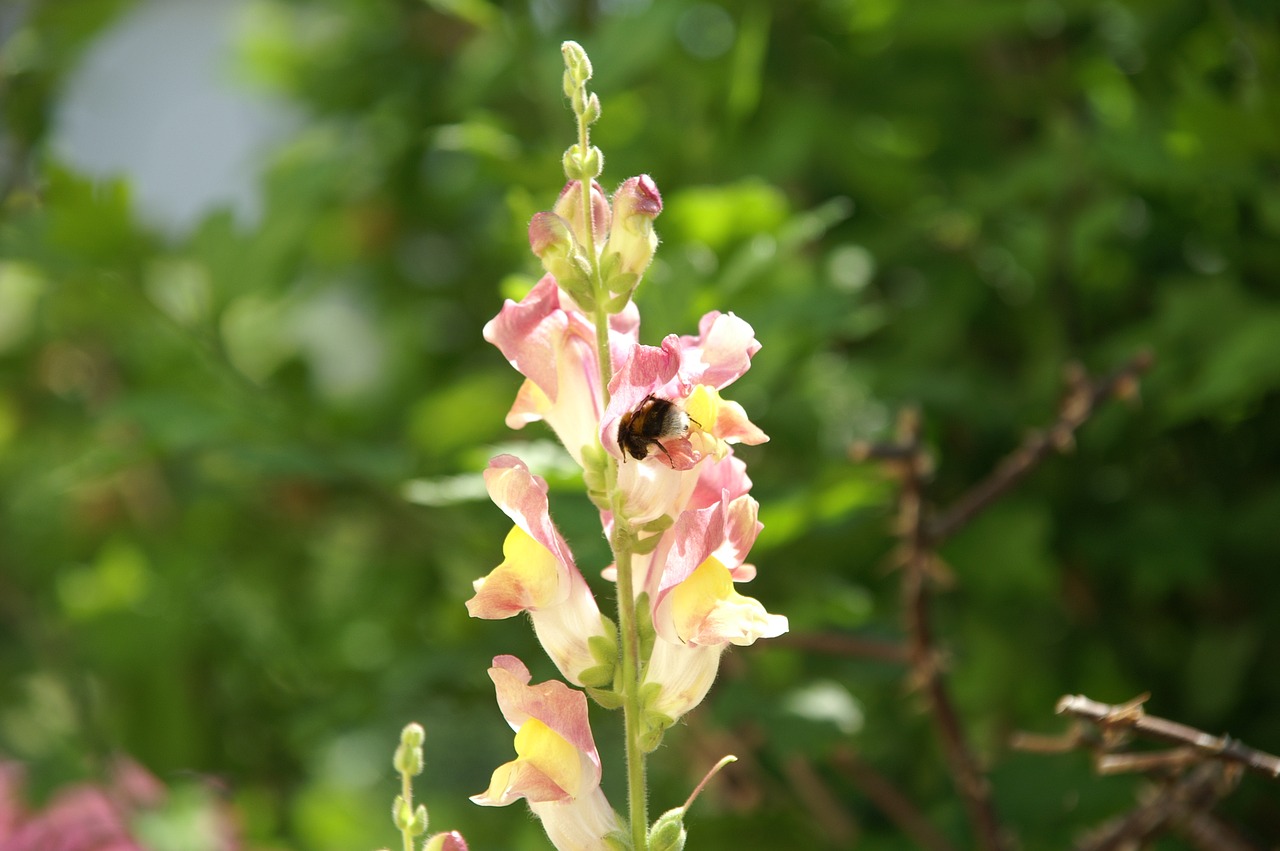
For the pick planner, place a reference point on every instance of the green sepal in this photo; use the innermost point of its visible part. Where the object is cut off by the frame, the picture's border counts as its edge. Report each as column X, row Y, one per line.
column 412, row 822
column 591, row 109
column 604, row 648
column 644, row 628
column 594, row 462
column 622, row 283
column 597, row 676
column 661, row 523
column 668, row 832
column 644, row 546
column 608, row 698
column 572, row 278
column 618, row 303
column 653, row 726
column 618, row 840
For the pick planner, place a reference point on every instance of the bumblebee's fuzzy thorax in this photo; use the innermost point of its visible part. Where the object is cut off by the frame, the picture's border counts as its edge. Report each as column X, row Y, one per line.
column 653, row 421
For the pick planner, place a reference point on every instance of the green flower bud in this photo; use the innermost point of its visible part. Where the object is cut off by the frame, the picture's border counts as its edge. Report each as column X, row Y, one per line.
column 413, row 735
column 576, row 61
column 408, row 756
column 591, row 111
column 407, row 820
column 668, row 832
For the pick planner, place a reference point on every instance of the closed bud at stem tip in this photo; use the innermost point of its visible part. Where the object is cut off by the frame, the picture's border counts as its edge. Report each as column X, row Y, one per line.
column 576, row 61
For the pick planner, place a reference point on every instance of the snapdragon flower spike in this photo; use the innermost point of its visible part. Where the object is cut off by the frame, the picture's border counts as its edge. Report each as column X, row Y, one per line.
column 537, row 574
column 557, row 767
column 549, row 341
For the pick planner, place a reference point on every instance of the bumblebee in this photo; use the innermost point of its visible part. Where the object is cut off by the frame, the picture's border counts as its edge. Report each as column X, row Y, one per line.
column 653, row 421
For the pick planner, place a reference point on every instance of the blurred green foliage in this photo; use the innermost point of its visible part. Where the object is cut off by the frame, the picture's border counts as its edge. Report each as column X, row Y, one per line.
column 240, row 512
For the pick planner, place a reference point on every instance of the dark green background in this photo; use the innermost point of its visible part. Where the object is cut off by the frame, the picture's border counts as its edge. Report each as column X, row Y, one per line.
column 939, row 203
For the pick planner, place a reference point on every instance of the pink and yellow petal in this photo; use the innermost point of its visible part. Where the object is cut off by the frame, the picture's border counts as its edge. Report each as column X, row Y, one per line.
column 706, row 610
column 562, row 709
column 530, row 577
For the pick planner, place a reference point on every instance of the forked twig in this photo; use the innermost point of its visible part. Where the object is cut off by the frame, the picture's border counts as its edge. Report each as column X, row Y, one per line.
column 1131, row 716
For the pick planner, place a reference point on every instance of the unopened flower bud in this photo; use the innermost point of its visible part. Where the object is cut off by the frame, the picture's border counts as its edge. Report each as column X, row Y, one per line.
column 668, row 832
column 569, row 207
column 632, row 240
column 591, row 110
column 551, row 239
column 408, row 756
column 574, row 167
column 413, row 735
column 410, row 821
column 451, row 841
column 550, row 233
column 576, row 62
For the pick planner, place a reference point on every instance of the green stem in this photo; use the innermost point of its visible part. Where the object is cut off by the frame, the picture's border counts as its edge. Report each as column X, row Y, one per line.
column 628, row 631
column 406, row 791
column 637, row 791
column 623, row 535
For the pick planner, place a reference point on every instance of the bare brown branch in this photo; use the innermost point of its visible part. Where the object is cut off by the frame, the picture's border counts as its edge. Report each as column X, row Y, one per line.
column 1081, row 400
column 1171, row 804
column 1133, row 718
column 927, row 674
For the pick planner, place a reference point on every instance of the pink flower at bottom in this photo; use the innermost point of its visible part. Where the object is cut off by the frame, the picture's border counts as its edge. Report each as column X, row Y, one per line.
column 557, row 767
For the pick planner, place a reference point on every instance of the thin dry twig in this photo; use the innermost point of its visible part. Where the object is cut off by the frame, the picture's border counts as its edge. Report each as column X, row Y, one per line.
column 1132, row 717
column 926, row 671
column 1209, row 833
column 1170, row 805
column 891, row 801
column 1078, row 405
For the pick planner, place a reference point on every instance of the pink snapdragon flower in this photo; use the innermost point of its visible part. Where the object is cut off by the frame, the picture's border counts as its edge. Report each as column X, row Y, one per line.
column 537, row 574
column 557, row 767
column 550, row 341
column 697, row 612
column 689, row 371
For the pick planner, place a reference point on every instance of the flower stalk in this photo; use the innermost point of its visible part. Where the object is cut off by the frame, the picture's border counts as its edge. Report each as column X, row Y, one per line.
column 586, row 107
column 654, row 440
